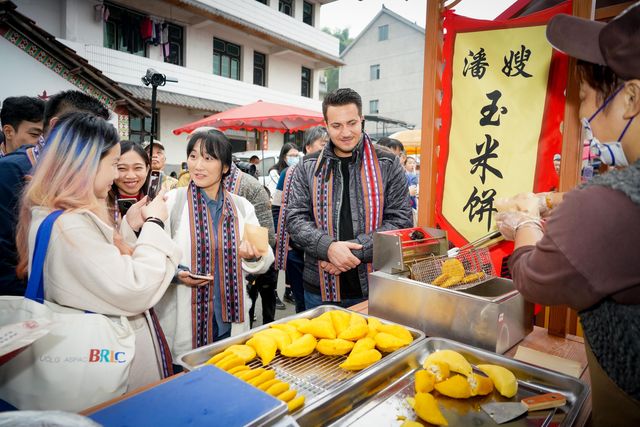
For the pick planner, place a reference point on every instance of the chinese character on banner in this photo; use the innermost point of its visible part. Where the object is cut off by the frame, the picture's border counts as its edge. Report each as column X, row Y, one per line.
column 503, row 103
column 265, row 140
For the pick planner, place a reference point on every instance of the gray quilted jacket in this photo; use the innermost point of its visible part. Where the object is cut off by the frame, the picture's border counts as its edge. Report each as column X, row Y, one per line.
column 315, row 242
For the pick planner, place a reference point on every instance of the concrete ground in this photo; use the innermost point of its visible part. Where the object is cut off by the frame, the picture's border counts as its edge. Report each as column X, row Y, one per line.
column 290, row 309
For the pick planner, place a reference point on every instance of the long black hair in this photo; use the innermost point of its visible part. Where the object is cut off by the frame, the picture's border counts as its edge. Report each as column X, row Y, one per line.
column 282, row 160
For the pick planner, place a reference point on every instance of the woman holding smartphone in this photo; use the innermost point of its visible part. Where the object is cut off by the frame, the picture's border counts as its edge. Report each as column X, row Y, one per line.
column 133, row 169
column 208, row 224
column 84, row 269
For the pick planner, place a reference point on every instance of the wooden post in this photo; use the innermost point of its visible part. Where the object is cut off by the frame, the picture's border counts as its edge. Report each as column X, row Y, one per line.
column 571, row 162
column 431, row 93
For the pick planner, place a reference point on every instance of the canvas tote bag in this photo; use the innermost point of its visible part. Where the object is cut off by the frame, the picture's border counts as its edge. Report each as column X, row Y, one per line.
column 83, row 361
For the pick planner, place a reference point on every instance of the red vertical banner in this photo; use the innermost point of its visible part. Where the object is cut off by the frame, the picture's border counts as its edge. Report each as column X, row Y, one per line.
column 502, row 109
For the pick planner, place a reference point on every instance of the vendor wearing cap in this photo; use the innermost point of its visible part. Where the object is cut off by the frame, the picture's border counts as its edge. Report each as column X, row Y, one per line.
column 158, row 160
column 586, row 256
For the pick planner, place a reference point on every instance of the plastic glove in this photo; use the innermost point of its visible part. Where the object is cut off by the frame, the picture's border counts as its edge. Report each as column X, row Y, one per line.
column 509, row 222
column 526, row 203
column 544, row 201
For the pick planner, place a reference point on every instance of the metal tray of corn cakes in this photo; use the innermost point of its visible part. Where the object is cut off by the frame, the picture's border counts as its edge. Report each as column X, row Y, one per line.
column 318, row 377
column 389, row 406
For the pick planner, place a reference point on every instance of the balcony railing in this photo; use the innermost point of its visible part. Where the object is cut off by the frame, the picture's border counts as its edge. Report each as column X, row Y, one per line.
column 260, row 15
column 126, row 68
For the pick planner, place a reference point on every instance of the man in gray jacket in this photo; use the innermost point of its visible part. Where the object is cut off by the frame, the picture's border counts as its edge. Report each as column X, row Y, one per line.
column 339, row 197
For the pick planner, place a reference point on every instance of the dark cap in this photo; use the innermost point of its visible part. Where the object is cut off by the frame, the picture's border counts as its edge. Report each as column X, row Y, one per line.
column 615, row 44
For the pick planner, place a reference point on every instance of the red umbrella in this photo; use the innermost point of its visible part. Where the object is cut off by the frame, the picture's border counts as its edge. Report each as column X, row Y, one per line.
column 261, row 116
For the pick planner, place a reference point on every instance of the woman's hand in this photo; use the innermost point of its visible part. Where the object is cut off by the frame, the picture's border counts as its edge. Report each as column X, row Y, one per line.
column 122, row 246
column 548, row 201
column 134, row 214
column 157, row 208
column 510, row 222
column 183, row 276
column 248, row 251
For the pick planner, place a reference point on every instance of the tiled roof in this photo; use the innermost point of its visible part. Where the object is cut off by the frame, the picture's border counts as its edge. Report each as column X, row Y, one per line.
column 177, row 99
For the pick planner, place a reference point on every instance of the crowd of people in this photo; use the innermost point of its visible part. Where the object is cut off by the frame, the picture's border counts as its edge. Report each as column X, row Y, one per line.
column 176, row 266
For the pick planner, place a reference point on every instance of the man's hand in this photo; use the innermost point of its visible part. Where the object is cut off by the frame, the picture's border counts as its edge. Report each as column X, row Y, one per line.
column 329, row 268
column 340, row 255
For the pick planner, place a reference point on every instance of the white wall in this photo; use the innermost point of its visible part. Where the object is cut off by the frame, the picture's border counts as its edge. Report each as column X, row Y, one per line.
column 399, row 89
column 25, row 76
column 46, row 13
column 34, row 78
column 78, row 22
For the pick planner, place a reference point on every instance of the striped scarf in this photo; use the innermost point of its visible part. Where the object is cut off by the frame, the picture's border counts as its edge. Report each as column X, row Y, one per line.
column 165, row 353
column 203, row 262
column 282, row 235
column 232, row 181
column 322, row 195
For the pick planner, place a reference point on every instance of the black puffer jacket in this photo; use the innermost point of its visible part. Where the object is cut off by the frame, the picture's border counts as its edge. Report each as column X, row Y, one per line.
column 315, row 242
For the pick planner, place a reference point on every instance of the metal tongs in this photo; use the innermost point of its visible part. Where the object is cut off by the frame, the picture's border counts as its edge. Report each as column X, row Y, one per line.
column 488, row 239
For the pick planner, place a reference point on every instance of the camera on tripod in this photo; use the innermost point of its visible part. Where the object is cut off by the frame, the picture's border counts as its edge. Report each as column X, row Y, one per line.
column 246, row 167
column 155, row 78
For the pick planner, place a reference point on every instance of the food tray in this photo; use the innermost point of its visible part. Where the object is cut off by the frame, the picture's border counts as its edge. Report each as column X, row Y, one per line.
column 317, row 377
column 385, row 408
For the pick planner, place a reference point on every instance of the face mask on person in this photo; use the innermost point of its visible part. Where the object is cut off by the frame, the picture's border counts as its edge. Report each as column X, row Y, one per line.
column 293, row 160
column 610, row 153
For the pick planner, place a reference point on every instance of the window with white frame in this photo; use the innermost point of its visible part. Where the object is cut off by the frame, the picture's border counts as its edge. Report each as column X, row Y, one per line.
column 373, row 106
column 306, row 82
column 226, row 59
column 286, row 7
column 383, row 32
column 374, row 72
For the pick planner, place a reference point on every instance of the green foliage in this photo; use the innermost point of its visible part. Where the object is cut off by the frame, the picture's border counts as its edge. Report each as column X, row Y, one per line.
column 332, row 75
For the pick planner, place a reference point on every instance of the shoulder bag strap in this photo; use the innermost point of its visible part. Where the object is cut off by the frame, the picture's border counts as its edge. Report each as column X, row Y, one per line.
column 35, row 286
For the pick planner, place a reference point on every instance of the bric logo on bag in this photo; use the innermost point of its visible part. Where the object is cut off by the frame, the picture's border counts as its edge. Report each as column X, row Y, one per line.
column 106, row 356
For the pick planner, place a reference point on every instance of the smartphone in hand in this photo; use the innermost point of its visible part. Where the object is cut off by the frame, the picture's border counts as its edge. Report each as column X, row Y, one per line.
column 200, row 276
column 154, row 185
column 124, row 204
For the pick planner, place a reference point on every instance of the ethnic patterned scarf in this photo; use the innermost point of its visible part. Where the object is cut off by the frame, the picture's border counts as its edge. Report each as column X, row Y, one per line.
column 165, row 353
column 203, row 261
column 232, row 181
column 282, row 235
column 322, row 195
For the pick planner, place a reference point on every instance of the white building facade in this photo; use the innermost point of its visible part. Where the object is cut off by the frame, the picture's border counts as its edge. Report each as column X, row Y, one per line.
column 224, row 53
column 384, row 64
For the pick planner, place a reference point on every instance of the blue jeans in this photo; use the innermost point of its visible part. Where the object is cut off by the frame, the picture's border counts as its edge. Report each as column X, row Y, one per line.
column 295, row 267
column 312, row 300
